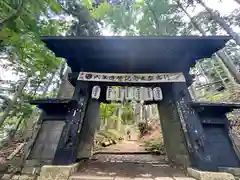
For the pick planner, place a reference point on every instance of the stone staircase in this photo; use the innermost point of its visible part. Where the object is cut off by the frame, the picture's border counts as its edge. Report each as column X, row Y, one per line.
column 18, row 177
column 128, row 167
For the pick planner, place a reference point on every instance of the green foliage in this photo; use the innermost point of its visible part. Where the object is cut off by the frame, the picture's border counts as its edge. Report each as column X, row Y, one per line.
column 20, row 35
column 215, row 98
column 111, row 134
column 101, row 11
column 22, row 23
column 155, row 146
column 148, row 17
column 107, row 110
column 107, row 137
column 127, row 114
column 114, row 118
column 207, row 23
column 84, row 23
column 87, row 3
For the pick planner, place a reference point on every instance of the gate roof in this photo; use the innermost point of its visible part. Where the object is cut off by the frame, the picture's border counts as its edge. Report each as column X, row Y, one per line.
column 141, row 54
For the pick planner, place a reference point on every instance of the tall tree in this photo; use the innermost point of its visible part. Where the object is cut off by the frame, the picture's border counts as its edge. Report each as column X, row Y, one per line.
column 83, row 23
column 21, row 25
column 148, row 17
column 216, row 17
column 221, row 54
column 14, row 100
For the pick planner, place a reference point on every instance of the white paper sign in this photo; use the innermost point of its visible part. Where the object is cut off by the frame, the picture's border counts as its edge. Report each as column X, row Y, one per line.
column 149, row 94
column 157, row 94
column 119, row 94
column 110, row 96
column 129, row 93
column 96, row 90
column 137, row 94
column 142, row 93
column 132, row 78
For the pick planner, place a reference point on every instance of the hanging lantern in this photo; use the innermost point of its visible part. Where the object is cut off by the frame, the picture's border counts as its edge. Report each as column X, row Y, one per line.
column 157, row 94
column 148, row 94
column 142, row 93
column 96, row 90
column 110, row 94
column 129, row 93
column 119, row 94
column 137, row 94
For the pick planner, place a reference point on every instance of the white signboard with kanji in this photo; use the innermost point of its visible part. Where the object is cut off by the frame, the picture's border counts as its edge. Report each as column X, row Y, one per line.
column 132, row 78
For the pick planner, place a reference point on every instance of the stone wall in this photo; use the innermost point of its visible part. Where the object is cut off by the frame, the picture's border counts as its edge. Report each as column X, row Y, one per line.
column 174, row 141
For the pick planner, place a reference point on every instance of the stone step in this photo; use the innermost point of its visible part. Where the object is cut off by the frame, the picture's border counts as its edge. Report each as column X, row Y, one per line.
column 231, row 170
column 89, row 177
column 17, row 177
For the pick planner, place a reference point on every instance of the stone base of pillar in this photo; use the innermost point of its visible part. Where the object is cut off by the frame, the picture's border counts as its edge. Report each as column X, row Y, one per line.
column 207, row 175
column 173, row 136
column 85, row 150
column 233, row 171
column 50, row 172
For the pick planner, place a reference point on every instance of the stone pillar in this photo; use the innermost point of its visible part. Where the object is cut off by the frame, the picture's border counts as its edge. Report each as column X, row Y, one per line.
column 91, row 124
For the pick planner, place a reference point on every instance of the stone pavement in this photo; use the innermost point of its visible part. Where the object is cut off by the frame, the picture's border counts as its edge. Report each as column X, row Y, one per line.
column 128, row 167
column 125, row 166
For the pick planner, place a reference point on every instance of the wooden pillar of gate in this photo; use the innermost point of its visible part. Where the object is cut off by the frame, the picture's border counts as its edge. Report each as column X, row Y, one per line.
column 173, row 135
column 66, row 152
column 191, row 126
column 182, row 130
column 184, row 137
column 91, row 124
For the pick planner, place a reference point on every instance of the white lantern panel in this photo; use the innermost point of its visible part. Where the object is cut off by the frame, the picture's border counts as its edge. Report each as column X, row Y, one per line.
column 157, row 94
column 129, row 93
column 142, row 93
column 119, row 94
column 148, row 94
column 96, row 90
column 137, row 94
column 110, row 96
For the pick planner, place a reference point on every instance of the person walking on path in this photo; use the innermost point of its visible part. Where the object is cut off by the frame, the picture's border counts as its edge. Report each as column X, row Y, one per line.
column 129, row 134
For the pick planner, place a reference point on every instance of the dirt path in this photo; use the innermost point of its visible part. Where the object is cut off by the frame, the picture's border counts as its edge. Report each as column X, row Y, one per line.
column 125, row 147
column 125, row 166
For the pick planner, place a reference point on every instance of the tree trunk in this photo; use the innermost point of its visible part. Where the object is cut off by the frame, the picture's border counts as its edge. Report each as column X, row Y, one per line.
column 66, row 89
column 193, row 92
column 228, row 62
column 219, row 75
column 105, row 117
column 225, row 62
column 18, row 93
column 15, row 130
column 32, row 120
column 155, row 18
column 221, row 22
column 202, row 71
